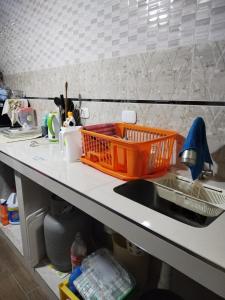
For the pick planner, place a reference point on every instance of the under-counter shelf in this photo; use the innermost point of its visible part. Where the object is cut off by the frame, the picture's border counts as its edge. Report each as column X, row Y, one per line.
column 13, row 233
column 51, row 276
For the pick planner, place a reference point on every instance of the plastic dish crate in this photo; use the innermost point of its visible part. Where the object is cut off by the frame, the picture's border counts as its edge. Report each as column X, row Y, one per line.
column 128, row 151
column 65, row 293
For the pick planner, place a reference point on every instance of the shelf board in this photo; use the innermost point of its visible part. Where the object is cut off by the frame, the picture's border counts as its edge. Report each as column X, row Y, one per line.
column 13, row 233
column 51, row 277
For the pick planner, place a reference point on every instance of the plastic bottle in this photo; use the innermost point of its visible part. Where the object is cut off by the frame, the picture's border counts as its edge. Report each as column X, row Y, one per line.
column 4, row 214
column 13, row 210
column 70, row 121
column 78, row 251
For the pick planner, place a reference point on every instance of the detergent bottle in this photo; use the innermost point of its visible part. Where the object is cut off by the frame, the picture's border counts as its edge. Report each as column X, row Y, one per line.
column 13, row 209
column 70, row 121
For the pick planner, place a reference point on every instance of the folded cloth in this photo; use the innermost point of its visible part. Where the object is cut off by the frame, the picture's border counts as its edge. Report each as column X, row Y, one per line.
column 107, row 129
column 196, row 140
column 11, row 108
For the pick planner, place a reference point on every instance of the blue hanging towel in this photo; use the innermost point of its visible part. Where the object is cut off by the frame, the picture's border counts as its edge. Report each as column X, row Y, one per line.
column 196, row 140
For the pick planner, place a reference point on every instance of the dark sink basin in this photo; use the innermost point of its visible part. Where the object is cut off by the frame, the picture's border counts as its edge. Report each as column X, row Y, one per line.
column 145, row 193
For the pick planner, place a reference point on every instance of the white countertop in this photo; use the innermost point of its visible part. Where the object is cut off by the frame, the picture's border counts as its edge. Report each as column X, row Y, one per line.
column 207, row 242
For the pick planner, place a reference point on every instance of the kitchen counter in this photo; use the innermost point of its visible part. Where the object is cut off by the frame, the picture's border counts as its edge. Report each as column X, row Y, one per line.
column 197, row 252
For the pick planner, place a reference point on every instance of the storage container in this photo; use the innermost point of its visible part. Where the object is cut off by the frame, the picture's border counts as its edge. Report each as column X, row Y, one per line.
column 128, row 151
column 60, row 228
column 65, row 293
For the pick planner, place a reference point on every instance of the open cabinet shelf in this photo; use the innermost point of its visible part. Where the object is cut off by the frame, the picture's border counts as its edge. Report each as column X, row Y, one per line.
column 51, row 276
column 13, row 233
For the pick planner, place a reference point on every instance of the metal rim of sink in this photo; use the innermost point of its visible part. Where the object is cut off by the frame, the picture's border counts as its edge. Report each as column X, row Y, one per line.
column 169, row 202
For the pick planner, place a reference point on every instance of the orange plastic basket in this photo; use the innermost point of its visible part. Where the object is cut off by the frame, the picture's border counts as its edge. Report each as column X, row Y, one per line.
column 128, row 151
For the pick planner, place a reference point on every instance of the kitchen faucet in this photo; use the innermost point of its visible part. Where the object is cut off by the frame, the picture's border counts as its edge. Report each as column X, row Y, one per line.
column 189, row 158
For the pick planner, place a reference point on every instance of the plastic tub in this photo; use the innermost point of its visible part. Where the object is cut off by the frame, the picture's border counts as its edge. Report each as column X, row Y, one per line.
column 128, row 151
column 65, row 293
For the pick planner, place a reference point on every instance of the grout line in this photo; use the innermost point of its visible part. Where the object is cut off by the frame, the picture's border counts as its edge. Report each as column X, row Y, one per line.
column 165, row 102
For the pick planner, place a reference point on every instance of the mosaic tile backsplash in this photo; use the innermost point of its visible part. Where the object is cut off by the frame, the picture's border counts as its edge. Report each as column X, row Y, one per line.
column 176, row 117
column 41, row 34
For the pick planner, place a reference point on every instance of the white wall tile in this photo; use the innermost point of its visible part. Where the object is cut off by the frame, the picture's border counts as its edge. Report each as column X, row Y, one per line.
column 41, row 34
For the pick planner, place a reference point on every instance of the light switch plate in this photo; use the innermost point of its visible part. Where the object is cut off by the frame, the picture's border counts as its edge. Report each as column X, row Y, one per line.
column 84, row 113
column 129, row 116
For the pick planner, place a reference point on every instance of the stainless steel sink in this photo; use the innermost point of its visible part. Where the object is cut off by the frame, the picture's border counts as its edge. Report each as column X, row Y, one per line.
column 170, row 202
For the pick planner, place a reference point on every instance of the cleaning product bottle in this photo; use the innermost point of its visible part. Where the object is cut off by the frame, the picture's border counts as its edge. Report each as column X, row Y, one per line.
column 13, row 209
column 4, row 213
column 78, row 251
column 70, row 121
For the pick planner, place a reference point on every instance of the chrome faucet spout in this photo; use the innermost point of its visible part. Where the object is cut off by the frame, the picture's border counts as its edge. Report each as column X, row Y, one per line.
column 189, row 158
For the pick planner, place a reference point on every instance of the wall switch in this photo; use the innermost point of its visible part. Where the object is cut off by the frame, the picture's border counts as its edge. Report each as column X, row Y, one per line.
column 84, row 113
column 129, row 116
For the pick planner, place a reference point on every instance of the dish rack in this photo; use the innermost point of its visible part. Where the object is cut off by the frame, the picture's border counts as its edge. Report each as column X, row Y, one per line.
column 191, row 195
column 128, row 151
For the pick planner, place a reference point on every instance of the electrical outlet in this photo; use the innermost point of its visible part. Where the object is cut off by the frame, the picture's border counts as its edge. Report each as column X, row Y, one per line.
column 84, row 113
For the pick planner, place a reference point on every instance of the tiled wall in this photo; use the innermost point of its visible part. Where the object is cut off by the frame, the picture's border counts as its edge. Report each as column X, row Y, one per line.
column 195, row 72
column 43, row 34
column 121, row 49
column 176, row 117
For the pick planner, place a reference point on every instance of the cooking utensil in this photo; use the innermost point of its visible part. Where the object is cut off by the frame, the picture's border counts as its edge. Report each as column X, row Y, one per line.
column 60, row 103
column 66, row 99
